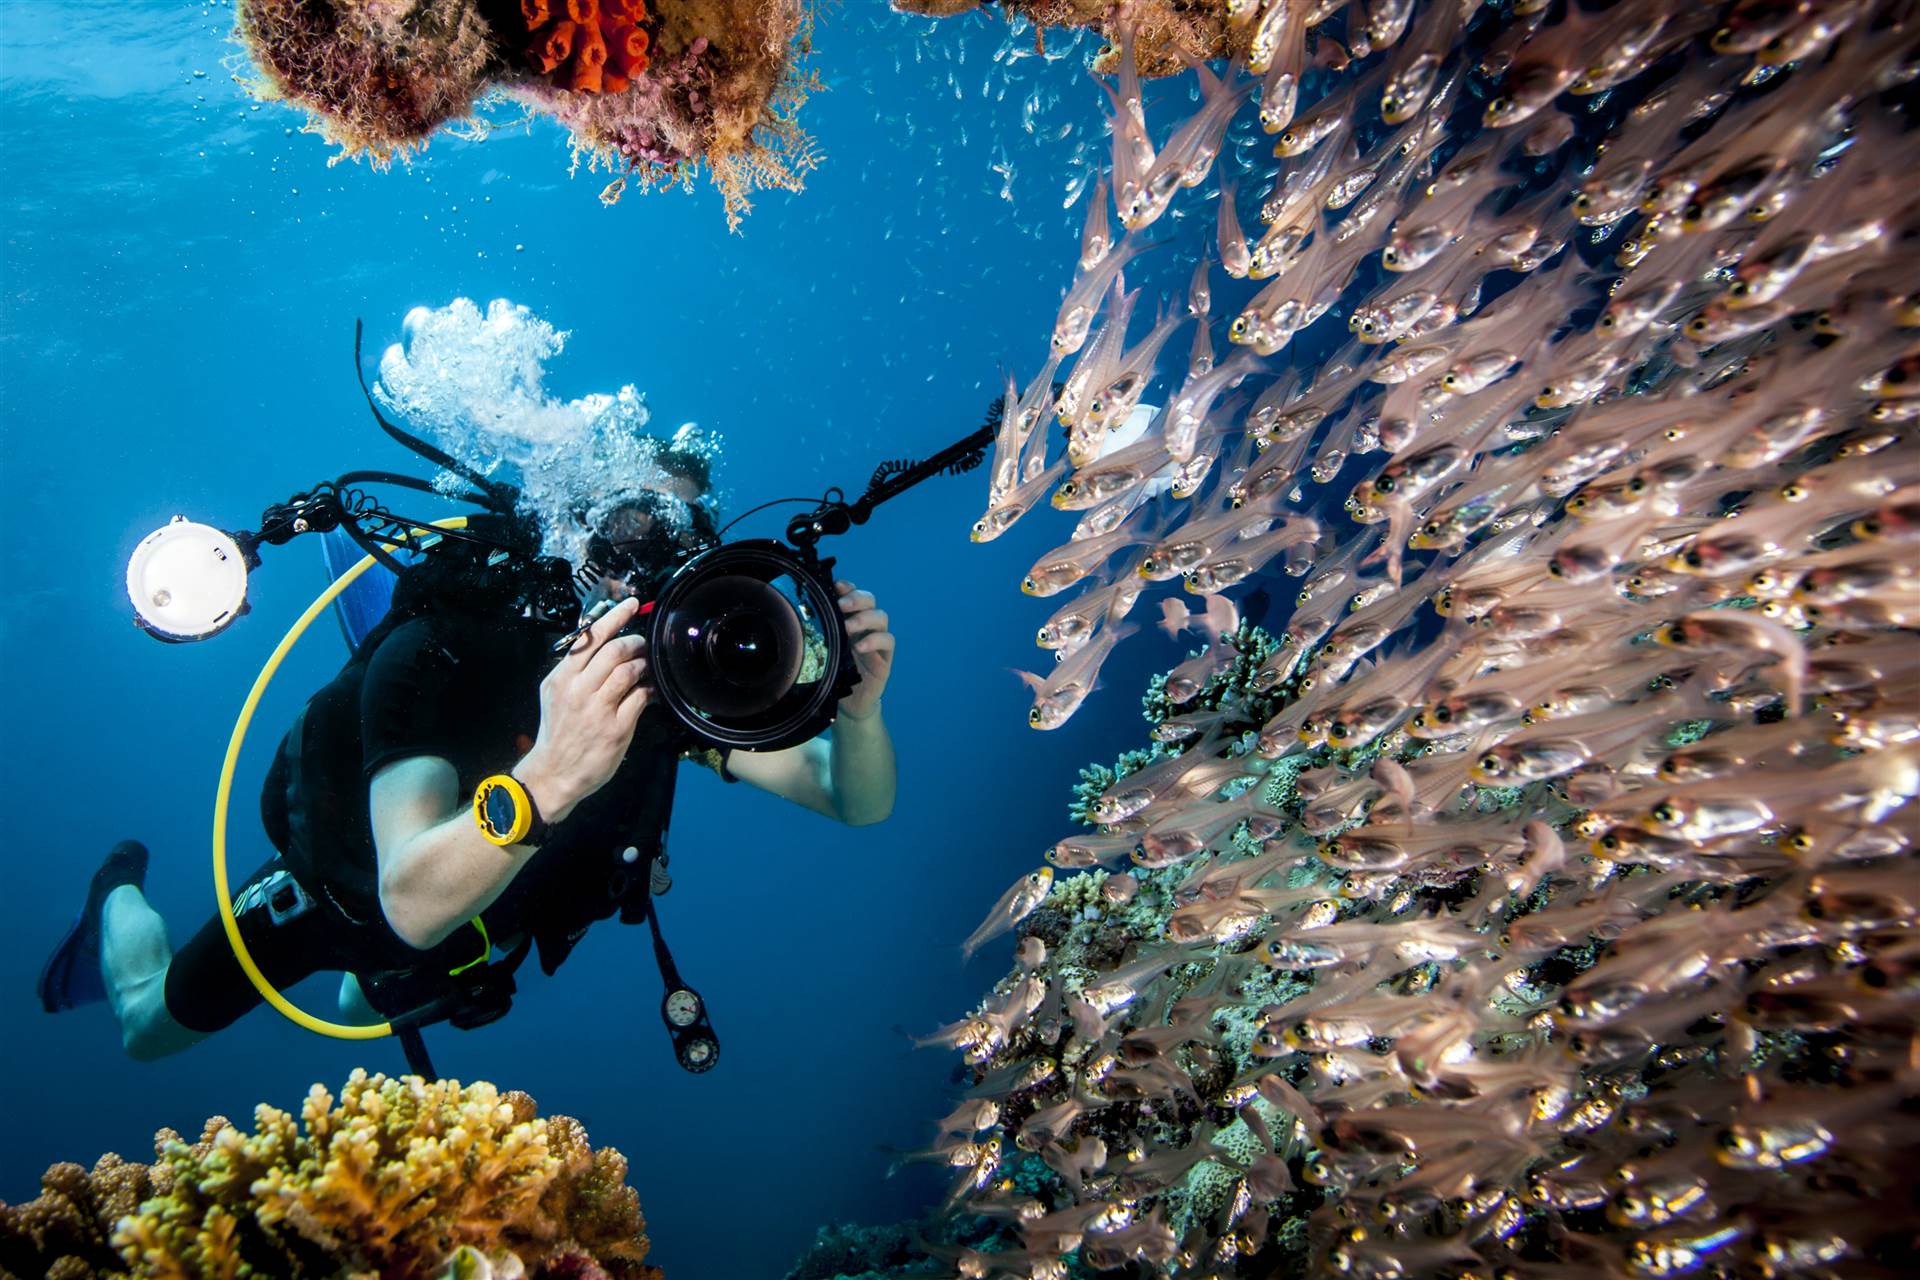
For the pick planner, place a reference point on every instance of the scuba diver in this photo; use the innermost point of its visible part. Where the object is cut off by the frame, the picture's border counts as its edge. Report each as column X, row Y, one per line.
column 455, row 797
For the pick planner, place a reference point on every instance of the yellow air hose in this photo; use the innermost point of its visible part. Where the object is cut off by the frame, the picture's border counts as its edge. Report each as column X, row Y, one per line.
column 222, row 892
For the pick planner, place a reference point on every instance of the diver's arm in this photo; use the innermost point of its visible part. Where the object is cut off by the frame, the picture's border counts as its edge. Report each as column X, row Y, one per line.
column 846, row 775
column 861, row 767
column 437, row 871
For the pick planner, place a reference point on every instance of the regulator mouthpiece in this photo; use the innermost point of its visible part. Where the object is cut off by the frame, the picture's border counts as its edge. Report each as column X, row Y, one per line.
column 187, row 581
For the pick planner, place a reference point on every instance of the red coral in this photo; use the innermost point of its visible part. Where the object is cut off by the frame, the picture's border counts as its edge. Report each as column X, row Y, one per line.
column 587, row 46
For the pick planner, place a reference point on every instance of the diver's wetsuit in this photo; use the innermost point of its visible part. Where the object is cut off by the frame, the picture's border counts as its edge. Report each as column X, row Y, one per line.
column 466, row 689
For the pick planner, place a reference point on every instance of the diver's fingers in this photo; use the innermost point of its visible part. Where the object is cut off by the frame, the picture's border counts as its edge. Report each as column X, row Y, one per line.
column 878, row 642
column 603, row 629
column 610, row 657
column 623, row 679
column 871, row 620
column 628, row 712
column 852, row 601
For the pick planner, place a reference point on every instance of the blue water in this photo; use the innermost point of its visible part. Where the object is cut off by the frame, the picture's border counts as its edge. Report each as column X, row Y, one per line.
column 182, row 273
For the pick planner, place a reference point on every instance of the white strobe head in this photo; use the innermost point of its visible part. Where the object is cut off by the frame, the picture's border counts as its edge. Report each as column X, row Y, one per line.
column 187, row 581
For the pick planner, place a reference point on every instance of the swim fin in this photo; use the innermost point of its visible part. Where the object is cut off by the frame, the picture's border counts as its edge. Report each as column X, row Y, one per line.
column 71, row 976
column 361, row 606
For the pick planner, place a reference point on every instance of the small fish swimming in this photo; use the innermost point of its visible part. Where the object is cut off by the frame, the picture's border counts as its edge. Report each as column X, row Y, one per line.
column 1630, row 397
column 1016, row 904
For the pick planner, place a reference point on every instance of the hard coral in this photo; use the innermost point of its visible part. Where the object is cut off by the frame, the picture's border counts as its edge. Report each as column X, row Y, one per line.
column 399, row 1177
column 67, row 1229
column 375, row 78
column 586, row 46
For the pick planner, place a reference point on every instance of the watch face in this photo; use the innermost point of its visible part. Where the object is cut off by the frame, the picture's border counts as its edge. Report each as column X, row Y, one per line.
column 683, row 1008
column 500, row 810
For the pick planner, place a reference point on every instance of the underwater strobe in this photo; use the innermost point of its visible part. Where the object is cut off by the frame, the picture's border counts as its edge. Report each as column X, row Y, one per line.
column 748, row 644
column 187, row 581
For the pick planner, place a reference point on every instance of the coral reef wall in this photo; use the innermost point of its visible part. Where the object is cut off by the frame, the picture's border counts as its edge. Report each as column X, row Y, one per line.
column 1162, row 27
column 396, row 1177
column 648, row 92
column 1534, row 894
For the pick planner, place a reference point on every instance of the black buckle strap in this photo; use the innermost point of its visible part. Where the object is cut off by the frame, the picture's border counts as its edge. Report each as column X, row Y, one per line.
column 477, row 1000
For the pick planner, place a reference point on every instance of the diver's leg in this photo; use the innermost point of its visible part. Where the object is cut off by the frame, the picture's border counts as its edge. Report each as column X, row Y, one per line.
column 204, row 989
column 134, row 957
column 355, row 1008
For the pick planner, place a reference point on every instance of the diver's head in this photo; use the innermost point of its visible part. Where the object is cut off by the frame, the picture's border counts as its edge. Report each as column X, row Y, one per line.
column 637, row 544
column 638, row 533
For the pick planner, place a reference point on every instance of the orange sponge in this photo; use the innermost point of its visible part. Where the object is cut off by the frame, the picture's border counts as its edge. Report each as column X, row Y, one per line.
column 587, row 46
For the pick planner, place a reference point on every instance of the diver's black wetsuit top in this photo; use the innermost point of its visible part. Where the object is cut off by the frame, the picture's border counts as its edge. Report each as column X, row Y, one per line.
column 459, row 687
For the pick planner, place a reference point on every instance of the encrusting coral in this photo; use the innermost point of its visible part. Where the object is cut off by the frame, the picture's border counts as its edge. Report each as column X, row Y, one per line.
column 398, row 1177
column 650, row 93
column 723, row 89
column 376, row 78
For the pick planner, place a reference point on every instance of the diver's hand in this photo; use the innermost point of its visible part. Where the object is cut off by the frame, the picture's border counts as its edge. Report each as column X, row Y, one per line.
column 872, row 650
column 589, row 704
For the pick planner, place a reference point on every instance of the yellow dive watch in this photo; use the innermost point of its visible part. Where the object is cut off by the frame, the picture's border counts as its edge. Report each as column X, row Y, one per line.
column 505, row 812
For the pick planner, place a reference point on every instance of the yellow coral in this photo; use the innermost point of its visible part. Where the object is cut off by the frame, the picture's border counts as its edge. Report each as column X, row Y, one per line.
column 393, row 1178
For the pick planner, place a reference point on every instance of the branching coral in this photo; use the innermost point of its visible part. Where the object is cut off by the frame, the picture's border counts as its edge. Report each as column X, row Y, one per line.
column 67, row 1230
column 651, row 93
column 398, row 1177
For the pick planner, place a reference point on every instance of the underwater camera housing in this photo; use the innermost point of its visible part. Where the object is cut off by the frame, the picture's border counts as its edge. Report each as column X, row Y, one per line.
column 747, row 647
column 747, row 644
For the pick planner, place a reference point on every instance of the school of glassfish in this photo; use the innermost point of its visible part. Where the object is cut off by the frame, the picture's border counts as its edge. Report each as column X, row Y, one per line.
column 1540, row 900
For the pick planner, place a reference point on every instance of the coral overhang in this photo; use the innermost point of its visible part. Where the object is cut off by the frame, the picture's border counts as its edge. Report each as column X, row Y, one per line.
column 651, row 93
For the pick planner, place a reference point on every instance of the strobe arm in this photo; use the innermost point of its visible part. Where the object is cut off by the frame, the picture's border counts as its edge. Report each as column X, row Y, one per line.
column 890, row 480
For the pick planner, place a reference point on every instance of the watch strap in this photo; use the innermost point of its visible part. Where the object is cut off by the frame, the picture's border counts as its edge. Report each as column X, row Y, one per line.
column 505, row 812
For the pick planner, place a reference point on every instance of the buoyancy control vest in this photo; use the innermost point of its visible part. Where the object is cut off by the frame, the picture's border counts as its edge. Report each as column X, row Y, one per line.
column 608, row 857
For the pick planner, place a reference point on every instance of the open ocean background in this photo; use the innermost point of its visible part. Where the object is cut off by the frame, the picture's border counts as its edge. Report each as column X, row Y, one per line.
column 182, row 271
